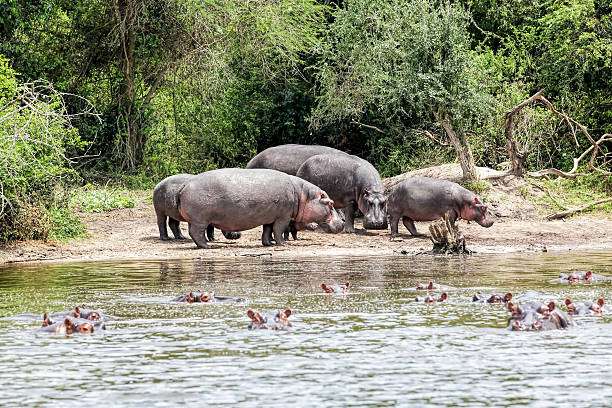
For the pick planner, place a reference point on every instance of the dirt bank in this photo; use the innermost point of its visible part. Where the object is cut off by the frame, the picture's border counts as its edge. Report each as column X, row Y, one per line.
column 132, row 234
column 520, row 226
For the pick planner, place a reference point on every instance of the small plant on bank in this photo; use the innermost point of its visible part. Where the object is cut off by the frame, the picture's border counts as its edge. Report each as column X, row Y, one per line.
column 65, row 225
column 93, row 199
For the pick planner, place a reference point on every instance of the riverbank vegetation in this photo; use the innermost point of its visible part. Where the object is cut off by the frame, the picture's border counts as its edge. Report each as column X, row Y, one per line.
column 134, row 90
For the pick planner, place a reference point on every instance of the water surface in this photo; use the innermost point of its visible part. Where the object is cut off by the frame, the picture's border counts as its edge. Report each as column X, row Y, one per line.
column 375, row 347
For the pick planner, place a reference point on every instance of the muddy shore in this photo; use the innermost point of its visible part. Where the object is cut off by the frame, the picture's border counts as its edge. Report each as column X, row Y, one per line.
column 132, row 234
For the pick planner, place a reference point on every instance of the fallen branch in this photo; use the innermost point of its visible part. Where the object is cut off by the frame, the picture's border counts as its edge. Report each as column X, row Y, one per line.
column 572, row 211
column 354, row 122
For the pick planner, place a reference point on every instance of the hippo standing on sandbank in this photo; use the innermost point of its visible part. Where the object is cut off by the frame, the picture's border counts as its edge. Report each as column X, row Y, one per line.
column 165, row 202
column 351, row 182
column 241, row 199
column 289, row 157
column 428, row 199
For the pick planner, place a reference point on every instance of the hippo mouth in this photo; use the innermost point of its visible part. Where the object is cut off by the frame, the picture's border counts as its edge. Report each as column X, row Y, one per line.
column 375, row 225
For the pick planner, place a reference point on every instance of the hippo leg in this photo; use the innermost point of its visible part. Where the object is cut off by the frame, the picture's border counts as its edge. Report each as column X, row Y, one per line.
column 394, row 222
column 176, row 229
column 349, row 219
column 163, row 229
column 266, row 235
column 293, row 230
column 409, row 224
column 279, row 228
column 198, row 234
column 210, row 233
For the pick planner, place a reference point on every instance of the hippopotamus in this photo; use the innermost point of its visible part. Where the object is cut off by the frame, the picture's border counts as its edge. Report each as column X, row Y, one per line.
column 241, row 199
column 352, row 183
column 429, row 286
column 165, row 202
column 432, row 299
column 492, row 298
column 585, row 308
column 80, row 313
column 288, row 158
column 69, row 325
column 294, row 227
column 428, row 199
column 336, row 288
column 582, row 277
column 199, row 296
column 278, row 321
column 535, row 316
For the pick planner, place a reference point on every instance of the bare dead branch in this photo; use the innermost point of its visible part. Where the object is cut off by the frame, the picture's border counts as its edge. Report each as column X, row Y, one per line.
column 367, row 126
column 572, row 211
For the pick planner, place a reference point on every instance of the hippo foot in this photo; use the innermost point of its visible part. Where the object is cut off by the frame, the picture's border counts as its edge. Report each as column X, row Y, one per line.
column 349, row 230
column 166, row 238
column 181, row 237
column 203, row 246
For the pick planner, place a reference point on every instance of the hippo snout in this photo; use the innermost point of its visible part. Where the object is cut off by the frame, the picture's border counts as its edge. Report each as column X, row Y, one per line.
column 485, row 222
column 375, row 225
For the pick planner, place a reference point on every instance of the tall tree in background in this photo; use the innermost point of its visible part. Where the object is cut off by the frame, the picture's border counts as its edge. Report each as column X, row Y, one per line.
column 405, row 63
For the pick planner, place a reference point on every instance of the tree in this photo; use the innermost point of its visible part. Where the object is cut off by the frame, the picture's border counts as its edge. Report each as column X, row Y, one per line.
column 403, row 64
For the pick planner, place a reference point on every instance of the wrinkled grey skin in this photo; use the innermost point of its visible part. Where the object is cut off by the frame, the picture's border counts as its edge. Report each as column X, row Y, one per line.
column 241, row 199
column 351, row 182
column 428, row 199
column 536, row 316
column 288, row 158
column 165, row 202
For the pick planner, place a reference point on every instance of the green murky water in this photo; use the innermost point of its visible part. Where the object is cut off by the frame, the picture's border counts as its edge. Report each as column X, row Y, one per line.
column 375, row 347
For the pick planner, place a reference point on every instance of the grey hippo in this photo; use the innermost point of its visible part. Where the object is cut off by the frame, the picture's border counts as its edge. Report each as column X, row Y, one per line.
column 428, row 199
column 165, row 202
column 241, row 199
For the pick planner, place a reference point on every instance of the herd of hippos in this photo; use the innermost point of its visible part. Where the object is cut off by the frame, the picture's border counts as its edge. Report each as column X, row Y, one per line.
column 530, row 315
column 293, row 187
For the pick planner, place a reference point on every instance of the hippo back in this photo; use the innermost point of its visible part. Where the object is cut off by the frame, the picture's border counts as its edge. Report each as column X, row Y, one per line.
column 166, row 192
column 288, row 158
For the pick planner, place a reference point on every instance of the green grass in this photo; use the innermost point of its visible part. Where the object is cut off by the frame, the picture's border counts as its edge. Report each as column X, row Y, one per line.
column 95, row 199
column 65, row 225
column 571, row 193
column 480, row 187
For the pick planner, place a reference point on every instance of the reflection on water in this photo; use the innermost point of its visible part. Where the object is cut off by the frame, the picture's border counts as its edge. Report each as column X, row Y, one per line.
column 375, row 346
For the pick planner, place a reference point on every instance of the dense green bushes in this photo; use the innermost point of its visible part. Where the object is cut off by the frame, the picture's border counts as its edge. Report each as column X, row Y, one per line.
column 35, row 140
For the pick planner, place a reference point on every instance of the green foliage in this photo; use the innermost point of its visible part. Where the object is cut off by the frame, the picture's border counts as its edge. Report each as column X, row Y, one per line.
column 65, row 225
column 479, row 187
column 571, row 193
column 94, row 199
column 35, row 138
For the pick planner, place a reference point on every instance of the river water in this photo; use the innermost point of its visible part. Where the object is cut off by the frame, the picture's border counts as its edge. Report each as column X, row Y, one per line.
column 374, row 347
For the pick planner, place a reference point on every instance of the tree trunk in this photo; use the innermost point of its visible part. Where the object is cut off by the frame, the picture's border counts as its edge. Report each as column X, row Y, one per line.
column 461, row 146
column 132, row 145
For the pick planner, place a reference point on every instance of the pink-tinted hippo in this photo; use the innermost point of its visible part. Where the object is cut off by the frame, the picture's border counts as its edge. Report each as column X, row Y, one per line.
column 241, row 199
column 277, row 321
column 428, row 199
column 585, row 308
column 336, row 288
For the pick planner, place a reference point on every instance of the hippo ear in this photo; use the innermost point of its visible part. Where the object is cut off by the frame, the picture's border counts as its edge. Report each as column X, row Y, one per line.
column 476, row 200
column 252, row 315
column 600, row 302
column 551, row 306
column 76, row 312
column 508, row 297
column 287, row 312
column 568, row 301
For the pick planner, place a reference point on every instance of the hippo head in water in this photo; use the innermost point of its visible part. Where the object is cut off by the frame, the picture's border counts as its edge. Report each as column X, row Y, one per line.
column 319, row 208
column 373, row 204
column 475, row 210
